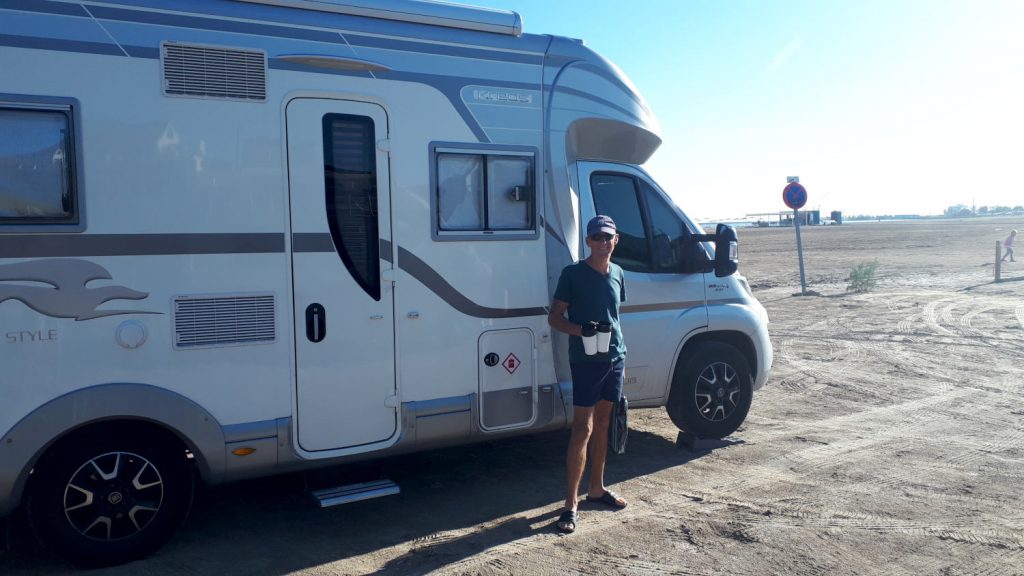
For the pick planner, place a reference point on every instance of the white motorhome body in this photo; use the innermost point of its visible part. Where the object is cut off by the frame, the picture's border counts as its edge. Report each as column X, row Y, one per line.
column 277, row 234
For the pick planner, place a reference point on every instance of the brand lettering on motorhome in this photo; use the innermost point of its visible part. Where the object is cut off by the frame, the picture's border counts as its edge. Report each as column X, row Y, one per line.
column 23, row 336
column 503, row 96
column 67, row 295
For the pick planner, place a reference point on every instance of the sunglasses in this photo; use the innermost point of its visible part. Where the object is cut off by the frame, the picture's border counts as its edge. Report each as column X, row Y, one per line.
column 602, row 237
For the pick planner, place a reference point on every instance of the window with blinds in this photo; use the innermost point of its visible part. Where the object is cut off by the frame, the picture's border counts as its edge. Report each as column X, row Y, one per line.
column 350, row 182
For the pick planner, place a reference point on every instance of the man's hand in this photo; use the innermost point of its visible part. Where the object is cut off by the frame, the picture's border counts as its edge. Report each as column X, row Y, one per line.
column 558, row 321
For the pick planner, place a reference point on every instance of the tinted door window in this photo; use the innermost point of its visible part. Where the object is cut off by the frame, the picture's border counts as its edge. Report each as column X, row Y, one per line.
column 350, row 181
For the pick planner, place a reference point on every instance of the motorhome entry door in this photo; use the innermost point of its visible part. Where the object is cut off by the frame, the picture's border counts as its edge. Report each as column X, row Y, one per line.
column 342, row 264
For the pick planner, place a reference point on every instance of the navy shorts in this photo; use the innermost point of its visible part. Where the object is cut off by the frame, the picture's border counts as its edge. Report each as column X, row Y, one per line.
column 593, row 381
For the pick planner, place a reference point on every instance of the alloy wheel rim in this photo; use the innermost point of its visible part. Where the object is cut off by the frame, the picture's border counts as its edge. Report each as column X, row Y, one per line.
column 717, row 393
column 113, row 496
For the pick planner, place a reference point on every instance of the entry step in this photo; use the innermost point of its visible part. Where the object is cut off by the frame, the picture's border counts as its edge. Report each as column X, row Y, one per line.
column 355, row 492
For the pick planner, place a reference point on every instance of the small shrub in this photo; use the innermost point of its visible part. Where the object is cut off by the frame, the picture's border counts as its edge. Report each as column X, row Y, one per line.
column 862, row 277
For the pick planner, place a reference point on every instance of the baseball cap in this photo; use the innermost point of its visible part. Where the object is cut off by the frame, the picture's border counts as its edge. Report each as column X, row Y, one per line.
column 601, row 223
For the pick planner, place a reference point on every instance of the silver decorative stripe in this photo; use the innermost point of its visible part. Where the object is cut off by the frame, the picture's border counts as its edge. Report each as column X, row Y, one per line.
column 662, row 306
column 312, row 242
column 423, row 273
column 429, row 277
column 722, row 301
column 305, row 242
column 84, row 245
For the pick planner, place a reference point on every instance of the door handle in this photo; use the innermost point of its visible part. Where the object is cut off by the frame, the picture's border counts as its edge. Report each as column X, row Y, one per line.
column 316, row 322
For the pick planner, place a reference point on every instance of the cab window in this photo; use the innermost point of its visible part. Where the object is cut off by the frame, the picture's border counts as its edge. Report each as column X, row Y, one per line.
column 652, row 237
column 668, row 235
column 616, row 195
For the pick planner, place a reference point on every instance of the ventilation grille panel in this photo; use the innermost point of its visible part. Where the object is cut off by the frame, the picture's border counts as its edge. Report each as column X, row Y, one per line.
column 213, row 72
column 224, row 320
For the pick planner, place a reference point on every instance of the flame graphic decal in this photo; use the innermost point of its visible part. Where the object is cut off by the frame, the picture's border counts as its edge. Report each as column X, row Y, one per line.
column 67, row 295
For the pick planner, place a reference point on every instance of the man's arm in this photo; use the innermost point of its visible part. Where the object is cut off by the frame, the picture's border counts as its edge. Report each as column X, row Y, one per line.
column 558, row 321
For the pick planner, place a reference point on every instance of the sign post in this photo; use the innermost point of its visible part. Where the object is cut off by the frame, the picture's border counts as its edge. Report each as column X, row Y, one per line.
column 795, row 196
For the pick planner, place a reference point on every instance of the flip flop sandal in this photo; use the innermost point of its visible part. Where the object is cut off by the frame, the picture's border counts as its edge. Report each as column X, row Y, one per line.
column 567, row 517
column 610, row 498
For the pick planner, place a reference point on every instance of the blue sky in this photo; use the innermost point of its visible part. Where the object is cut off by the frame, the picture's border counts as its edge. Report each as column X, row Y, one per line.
column 880, row 107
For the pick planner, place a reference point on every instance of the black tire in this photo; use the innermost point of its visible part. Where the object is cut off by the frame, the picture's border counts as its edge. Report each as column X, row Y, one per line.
column 711, row 391
column 100, row 500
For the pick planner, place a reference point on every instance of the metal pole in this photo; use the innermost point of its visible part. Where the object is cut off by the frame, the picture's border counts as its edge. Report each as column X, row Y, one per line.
column 800, row 251
column 999, row 259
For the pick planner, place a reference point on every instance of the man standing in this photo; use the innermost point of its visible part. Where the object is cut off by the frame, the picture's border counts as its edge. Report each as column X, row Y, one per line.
column 590, row 291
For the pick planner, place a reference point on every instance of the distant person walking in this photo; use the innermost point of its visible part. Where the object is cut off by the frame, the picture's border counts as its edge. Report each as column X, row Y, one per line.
column 1008, row 245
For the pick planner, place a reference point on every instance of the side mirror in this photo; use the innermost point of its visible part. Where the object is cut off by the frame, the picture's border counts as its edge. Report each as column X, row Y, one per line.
column 727, row 251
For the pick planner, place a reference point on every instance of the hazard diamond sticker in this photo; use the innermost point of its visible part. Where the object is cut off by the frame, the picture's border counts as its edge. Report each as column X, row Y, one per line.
column 511, row 363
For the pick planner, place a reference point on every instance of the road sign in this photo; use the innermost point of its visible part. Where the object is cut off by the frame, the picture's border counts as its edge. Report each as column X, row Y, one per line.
column 794, row 195
column 792, row 179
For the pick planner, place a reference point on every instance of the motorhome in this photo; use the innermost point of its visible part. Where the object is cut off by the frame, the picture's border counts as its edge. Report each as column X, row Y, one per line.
column 245, row 237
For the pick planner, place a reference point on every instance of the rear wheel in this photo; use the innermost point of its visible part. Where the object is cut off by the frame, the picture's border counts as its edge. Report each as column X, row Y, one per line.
column 711, row 391
column 101, row 500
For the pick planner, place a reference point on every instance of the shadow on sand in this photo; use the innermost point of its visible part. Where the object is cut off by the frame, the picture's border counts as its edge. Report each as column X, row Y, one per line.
column 271, row 526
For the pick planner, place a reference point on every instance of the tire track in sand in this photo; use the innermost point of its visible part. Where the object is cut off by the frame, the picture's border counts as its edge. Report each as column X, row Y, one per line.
column 881, row 425
column 779, row 513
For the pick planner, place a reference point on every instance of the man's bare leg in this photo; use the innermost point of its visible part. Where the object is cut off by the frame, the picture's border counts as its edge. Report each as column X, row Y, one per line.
column 576, row 456
column 598, row 447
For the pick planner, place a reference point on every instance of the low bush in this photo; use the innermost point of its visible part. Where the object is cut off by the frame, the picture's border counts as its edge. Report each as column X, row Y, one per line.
column 862, row 277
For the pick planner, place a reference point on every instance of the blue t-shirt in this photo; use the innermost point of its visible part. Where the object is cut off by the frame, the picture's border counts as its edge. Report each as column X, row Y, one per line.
column 593, row 296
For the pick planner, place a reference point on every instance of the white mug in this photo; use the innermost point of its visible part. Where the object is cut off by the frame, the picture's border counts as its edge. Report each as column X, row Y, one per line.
column 604, row 337
column 589, row 335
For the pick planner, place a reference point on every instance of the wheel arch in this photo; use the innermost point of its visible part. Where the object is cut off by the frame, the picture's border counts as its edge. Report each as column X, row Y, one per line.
column 131, row 408
column 736, row 339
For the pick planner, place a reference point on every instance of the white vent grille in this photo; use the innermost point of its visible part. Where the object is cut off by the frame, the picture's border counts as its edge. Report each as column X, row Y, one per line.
column 224, row 320
column 209, row 71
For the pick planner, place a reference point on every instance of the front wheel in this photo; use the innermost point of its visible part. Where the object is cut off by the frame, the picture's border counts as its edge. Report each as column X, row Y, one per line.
column 101, row 501
column 711, row 392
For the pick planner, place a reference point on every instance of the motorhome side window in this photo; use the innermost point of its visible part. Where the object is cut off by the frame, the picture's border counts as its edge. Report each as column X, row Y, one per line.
column 651, row 235
column 37, row 173
column 484, row 192
column 350, row 182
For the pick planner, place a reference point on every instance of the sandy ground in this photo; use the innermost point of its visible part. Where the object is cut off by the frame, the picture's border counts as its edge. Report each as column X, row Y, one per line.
column 890, row 440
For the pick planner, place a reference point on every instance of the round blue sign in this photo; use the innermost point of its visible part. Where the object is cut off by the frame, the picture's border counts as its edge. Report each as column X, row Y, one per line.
column 794, row 195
